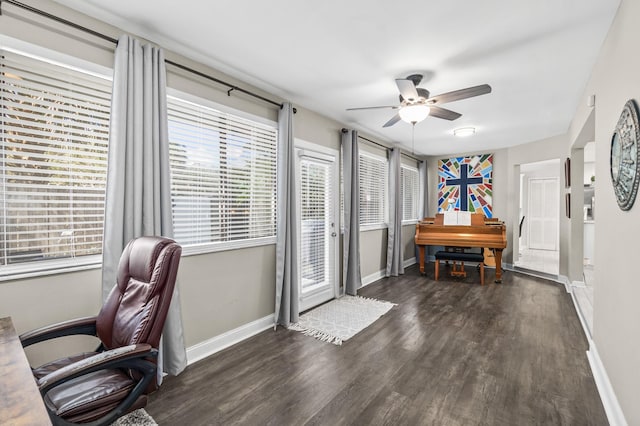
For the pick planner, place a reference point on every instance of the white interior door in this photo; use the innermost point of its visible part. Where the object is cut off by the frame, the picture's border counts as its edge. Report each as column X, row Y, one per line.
column 543, row 213
column 317, row 172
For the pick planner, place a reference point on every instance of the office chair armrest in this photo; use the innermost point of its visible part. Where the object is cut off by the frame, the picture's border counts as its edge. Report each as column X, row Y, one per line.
column 127, row 357
column 67, row 328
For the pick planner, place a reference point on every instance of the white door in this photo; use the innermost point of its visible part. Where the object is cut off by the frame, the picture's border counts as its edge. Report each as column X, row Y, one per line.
column 543, row 213
column 317, row 172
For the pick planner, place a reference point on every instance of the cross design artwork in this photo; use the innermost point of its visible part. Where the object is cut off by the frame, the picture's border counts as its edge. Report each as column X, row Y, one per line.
column 465, row 184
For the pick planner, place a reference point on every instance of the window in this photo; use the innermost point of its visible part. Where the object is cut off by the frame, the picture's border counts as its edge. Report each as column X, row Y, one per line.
column 409, row 193
column 374, row 172
column 54, row 126
column 223, row 175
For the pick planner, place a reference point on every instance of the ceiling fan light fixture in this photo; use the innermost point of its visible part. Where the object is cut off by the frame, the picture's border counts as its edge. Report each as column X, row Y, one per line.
column 414, row 113
column 463, row 132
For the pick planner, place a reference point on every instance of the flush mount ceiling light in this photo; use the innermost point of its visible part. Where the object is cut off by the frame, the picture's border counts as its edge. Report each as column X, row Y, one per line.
column 414, row 113
column 463, row 132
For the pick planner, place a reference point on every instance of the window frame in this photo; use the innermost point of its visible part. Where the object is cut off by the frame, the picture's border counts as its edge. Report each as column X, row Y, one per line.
column 384, row 224
column 415, row 170
column 218, row 246
column 48, row 267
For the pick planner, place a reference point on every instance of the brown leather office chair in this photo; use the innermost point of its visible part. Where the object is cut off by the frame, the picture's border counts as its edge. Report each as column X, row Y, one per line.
column 98, row 387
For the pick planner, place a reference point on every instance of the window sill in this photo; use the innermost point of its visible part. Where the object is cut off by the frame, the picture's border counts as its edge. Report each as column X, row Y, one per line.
column 56, row 267
column 373, row 227
column 47, row 268
column 409, row 222
column 197, row 249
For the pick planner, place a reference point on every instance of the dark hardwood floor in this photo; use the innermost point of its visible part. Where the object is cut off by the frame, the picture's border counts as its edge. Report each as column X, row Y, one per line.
column 451, row 353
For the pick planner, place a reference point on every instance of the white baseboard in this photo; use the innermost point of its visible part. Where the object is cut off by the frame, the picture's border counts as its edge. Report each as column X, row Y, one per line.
column 581, row 317
column 216, row 344
column 578, row 284
column 372, row 278
column 566, row 281
column 607, row 395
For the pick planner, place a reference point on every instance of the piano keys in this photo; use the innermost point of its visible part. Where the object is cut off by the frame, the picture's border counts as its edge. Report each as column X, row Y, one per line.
column 483, row 232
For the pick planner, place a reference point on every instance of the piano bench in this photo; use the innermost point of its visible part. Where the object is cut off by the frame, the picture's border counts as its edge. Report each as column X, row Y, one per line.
column 460, row 256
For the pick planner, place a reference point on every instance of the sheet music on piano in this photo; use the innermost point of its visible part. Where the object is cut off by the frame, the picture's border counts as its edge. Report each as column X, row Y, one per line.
column 457, row 218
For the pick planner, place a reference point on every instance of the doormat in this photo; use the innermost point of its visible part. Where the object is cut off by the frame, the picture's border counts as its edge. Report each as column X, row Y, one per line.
column 341, row 319
column 138, row 417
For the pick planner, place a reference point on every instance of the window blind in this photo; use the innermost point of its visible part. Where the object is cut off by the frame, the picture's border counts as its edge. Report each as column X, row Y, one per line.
column 410, row 194
column 374, row 173
column 54, row 125
column 316, row 211
column 223, row 175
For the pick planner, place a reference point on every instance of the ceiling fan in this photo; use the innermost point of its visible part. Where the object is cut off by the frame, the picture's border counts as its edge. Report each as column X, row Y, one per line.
column 416, row 105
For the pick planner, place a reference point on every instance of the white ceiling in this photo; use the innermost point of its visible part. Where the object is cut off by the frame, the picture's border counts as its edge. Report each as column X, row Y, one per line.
column 331, row 55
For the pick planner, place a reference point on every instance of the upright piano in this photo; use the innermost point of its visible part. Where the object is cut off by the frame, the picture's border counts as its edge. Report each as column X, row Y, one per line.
column 482, row 232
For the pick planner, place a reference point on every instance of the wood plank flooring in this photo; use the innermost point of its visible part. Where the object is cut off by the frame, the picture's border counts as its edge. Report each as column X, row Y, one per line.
column 451, row 353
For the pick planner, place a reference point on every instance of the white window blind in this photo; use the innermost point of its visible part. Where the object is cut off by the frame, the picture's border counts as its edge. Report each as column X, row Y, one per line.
column 223, row 175
column 374, row 173
column 316, row 211
column 54, row 124
column 410, row 195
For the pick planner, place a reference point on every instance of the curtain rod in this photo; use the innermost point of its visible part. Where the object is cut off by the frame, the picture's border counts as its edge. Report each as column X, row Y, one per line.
column 231, row 87
column 381, row 145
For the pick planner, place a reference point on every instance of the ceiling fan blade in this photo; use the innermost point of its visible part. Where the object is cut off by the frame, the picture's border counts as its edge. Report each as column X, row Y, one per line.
column 444, row 113
column 393, row 121
column 457, row 95
column 407, row 89
column 374, row 107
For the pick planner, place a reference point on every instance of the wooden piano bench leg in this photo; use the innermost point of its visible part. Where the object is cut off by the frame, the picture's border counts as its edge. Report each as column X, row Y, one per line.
column 482, row 274
column 437, row 268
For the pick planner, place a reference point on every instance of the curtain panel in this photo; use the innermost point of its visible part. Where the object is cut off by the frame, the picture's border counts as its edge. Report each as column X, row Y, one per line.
column 138, row 194
column 395, row 252
column 351, row 274
column 287, row 290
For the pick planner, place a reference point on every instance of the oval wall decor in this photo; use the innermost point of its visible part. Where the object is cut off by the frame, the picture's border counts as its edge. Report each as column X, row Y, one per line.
column 625, row 160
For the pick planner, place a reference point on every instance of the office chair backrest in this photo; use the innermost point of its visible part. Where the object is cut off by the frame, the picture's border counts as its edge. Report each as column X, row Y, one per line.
column 137, row 306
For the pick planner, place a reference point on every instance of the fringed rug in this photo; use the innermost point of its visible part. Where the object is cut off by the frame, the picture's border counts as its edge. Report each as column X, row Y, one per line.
column 136, row 418
column 341, row 319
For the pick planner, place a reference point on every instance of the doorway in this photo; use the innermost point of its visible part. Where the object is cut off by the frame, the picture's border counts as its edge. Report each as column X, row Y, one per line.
column 539, row 217
column 583, row 290
column 317, row 204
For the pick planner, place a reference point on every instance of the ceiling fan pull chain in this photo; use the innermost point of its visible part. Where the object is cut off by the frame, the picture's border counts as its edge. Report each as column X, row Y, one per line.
column 413, row 139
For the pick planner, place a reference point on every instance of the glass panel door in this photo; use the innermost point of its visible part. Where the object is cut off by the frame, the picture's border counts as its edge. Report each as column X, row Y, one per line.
column 318, row 227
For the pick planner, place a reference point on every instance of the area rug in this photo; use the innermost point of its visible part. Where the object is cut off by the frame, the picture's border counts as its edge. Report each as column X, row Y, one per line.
column 136, row 418
column 341, row 319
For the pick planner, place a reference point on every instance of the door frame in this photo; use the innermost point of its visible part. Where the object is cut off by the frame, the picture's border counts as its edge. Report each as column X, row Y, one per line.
column 322, row 153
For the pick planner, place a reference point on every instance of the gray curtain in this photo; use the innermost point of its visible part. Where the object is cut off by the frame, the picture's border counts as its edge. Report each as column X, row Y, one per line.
column 138, row 196
column 287, row 298
column 423, row 203
column 395, row 251
column 351, row 278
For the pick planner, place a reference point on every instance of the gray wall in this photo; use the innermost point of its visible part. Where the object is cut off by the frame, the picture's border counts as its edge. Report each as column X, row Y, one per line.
column 616, row 319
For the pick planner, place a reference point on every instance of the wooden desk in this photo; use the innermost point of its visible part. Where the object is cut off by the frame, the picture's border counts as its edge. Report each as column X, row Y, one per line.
column 20, row 400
